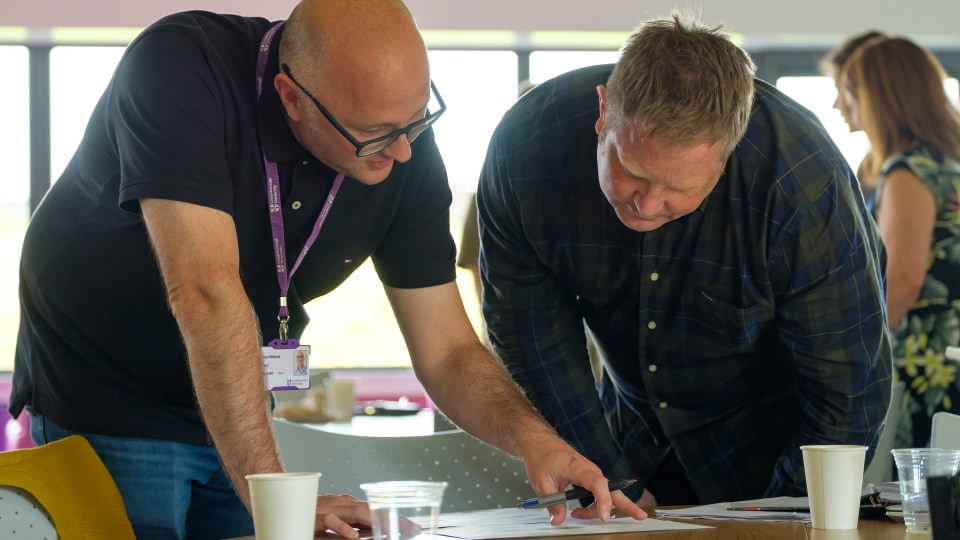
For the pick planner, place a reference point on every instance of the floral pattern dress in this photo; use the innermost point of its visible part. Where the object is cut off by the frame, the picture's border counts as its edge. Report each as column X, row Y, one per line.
column 933, row 323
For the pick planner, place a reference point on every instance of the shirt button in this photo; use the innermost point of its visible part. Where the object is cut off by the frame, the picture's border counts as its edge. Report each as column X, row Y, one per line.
column 305, row 162
column 654, row 276
column 295, row 205
column 652, row 368
column 652, row 325
column 663, row 404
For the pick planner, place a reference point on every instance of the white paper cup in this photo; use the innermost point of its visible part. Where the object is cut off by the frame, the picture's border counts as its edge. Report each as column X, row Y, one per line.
column 835, row 534
column 400, row 509
column 914, row 465
column 834, row 474
column 284, row 505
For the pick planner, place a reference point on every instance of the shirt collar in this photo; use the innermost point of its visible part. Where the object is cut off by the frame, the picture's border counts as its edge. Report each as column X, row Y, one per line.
column 720, row 185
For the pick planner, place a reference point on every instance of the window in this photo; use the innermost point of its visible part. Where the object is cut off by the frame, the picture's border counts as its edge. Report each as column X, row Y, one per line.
column 818, row 95
column 354, row 326
column 478, row 86
column 548, row 64
column 15, row 195
column 78, row 76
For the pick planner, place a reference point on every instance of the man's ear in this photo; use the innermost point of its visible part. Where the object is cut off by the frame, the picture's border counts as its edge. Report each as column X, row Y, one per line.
column 602, row 96
column 289, row 96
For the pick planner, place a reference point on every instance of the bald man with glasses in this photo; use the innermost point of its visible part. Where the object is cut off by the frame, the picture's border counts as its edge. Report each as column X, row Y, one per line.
column 213, row 196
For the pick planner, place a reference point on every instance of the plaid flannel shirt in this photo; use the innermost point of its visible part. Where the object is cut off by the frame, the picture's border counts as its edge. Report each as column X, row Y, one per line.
column 733, row 335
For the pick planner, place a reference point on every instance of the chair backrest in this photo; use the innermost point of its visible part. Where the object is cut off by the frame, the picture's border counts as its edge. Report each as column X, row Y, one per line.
column 22, row 515
column 61, row 489
column 945, row 432
column 881, row 468
column 479, row 476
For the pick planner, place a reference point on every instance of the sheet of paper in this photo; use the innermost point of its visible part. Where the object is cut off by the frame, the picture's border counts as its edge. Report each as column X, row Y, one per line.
column 890, row 491
column 722, row 511
column 517, row 523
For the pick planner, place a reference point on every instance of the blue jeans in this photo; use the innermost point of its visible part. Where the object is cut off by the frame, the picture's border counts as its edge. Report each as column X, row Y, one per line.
column 171, row 490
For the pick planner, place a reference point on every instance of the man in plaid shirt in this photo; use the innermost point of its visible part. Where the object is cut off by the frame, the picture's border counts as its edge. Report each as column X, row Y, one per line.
column 715, row 243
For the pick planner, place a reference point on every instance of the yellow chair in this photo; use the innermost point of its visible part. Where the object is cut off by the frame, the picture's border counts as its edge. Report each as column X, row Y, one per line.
column 63, row 486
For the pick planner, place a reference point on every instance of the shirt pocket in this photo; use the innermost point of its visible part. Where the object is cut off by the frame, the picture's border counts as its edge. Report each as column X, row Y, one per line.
column 721, row 328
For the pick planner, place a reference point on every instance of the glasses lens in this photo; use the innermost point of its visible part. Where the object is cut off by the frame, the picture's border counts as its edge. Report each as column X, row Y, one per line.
column 373, row 148
column 412, row 133
column 416, row 131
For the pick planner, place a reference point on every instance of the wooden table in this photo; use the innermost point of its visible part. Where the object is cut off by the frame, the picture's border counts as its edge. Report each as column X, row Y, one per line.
column 868, row 529
column 741, row 529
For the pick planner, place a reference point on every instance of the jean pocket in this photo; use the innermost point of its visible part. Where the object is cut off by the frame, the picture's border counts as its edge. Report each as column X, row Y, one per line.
column 43, row 430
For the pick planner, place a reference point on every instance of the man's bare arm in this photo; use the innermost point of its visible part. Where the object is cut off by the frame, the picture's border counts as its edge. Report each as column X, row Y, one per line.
column 473, row 388
column 196, row 249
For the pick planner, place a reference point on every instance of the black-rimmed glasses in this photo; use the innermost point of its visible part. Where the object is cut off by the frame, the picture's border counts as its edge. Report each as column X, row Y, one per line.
column 366, row 148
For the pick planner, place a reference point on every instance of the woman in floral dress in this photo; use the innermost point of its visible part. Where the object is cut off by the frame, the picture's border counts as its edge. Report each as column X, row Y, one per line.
column 895, row 90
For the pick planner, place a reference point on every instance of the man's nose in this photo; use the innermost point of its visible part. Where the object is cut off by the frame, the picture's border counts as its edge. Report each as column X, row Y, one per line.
column 399, row 150
column 647, row 200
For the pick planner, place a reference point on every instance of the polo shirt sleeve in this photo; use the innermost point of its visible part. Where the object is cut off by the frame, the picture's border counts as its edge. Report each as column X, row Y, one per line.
column 168, row 123
column 418, row 249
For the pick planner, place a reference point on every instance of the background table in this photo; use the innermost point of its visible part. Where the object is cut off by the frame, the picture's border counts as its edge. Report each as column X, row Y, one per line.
column 421, row 423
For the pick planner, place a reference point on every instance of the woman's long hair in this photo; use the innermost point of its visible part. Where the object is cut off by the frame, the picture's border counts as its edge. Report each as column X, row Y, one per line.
column 901, row 100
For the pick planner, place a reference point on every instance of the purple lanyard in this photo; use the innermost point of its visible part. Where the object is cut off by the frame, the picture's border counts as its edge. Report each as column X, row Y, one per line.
column 274, row 204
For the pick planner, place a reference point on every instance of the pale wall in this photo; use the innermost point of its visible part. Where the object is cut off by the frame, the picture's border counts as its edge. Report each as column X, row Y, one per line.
column 775, row 22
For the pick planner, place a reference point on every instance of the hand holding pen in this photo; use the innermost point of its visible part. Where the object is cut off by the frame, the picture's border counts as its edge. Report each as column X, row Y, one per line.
column 569, row 495
column 553, row 465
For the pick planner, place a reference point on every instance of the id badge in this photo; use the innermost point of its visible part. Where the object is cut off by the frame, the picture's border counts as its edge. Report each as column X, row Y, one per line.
column 286, row 366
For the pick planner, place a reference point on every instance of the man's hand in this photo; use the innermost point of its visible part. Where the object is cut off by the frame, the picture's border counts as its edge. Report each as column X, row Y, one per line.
column 647, row 499
column 340, row 514
column 552, row 465
column 590, row 512
column 464, row 377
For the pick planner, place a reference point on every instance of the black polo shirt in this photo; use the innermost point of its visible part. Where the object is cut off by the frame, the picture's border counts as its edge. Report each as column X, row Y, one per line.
column 98, row 349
